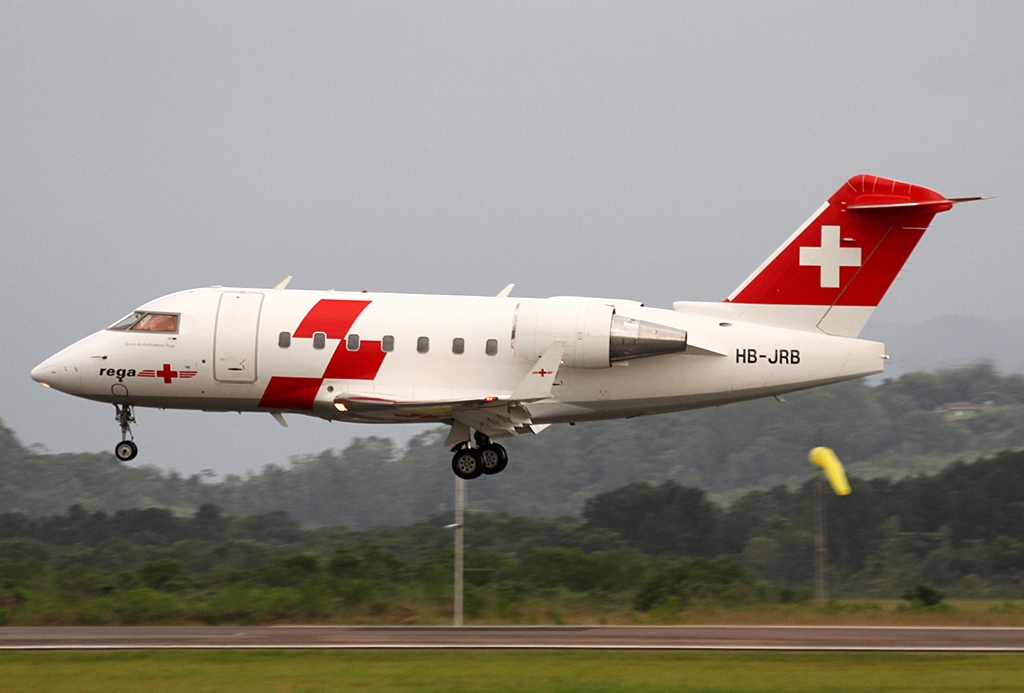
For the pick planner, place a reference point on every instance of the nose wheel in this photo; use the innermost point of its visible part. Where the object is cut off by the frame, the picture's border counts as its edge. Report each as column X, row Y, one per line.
column 127, row 449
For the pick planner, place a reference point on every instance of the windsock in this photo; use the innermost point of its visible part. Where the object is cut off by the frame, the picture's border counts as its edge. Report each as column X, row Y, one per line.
column 827, row 460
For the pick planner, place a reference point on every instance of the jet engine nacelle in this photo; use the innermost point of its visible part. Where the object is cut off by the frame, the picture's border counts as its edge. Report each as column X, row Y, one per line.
column 594, row 336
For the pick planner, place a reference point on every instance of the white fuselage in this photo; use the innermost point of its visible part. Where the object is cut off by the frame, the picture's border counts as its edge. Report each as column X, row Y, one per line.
column 227, row 354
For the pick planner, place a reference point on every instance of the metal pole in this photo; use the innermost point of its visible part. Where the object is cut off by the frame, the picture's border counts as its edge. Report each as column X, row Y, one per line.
column 460, row 513
column 820, row 545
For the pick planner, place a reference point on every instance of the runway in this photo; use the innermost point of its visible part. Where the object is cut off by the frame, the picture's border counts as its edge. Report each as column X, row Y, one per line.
column 766, row 638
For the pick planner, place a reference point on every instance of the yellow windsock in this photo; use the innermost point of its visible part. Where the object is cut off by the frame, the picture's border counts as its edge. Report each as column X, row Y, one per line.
column 827, row 460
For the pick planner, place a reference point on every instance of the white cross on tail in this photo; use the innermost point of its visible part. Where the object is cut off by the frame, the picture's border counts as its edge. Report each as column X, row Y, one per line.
column 829, row 257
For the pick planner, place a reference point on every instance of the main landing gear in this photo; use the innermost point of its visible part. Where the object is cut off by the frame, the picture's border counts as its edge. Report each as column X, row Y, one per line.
column 487, row 458
column 125, row 450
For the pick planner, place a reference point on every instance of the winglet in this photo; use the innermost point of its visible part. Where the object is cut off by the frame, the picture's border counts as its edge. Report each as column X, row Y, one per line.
column 506, row 291
column 283, row 283
column 538, row 382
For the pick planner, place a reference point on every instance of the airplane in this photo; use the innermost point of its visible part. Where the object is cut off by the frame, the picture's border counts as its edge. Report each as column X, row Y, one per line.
column 496, row 367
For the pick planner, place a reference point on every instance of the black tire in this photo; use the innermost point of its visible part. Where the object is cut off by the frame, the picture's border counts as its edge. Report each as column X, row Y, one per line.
column 466, row 463
column 126, row 450
column 494, row 458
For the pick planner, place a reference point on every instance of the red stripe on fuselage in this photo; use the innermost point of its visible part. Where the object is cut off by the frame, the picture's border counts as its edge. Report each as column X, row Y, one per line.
column 356, row 365
column 331, row 316
column 335, row 318
column 291, row 393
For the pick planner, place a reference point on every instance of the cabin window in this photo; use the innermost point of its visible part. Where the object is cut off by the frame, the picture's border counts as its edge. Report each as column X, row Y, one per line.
column 423, row 345
column 319, row 340
column 284, row 340
column 387, row 343
column 140, row 321
column 352, row 344
column 492, row 347
column 458, row 345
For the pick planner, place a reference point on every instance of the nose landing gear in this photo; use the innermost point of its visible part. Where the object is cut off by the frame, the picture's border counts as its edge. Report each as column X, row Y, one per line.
column 487, row 458
column 125, row 416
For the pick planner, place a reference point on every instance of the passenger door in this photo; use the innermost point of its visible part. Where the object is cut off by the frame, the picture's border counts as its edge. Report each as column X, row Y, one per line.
column 234, row 341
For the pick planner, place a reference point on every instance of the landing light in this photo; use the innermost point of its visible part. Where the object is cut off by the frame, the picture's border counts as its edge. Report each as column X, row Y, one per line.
column 44, row 384
column 340, row 406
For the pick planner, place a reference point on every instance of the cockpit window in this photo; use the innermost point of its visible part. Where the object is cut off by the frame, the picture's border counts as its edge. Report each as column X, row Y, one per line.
column 147, row 322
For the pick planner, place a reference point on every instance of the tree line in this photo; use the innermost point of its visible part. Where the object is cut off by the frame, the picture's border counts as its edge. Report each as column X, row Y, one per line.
column 885, row 430
column 650, row 544
column 961, row 528
column 151, row 566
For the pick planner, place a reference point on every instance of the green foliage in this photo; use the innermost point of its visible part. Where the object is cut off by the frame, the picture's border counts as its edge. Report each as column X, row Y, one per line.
column 675, row 585
column 288, row 571
column 208, row 523
column 577, row 571
column 79, row 579
column 961, row 528
column 145, row 605
column 14, row 575
column 166, row 574
column 658, row 519
column 22, row 549
column 355, row 592
column 888, row 430
column 924, row 595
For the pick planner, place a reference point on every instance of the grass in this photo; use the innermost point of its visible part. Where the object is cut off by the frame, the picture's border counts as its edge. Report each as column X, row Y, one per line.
column 497, row 672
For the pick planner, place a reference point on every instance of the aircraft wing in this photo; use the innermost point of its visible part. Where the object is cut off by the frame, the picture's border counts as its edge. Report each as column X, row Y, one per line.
column 496, row 416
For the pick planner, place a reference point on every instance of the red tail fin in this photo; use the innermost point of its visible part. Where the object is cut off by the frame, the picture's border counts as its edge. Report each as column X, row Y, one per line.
column 849, row 252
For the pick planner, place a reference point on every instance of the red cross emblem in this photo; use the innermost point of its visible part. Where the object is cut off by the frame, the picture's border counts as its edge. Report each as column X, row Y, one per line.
column 541, row 372
column 166, row 373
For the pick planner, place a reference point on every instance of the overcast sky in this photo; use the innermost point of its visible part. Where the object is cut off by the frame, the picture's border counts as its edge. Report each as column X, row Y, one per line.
column 653, row 151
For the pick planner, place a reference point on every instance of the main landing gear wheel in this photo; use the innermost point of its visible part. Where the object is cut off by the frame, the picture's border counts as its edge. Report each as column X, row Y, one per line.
column 466, row 463
column 494, row 458
column 126, row 450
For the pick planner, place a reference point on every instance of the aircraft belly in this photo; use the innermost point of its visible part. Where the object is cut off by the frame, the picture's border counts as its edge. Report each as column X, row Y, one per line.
column 202, row 403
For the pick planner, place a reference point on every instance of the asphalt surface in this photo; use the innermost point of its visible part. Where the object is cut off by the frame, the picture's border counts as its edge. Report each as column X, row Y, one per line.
column 821, row 638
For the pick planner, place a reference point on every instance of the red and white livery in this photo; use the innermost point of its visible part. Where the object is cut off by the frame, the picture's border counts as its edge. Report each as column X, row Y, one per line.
column 493, row 367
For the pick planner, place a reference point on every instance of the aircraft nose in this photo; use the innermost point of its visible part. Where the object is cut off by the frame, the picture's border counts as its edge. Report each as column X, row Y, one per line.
column 40, row 371
column 53, row 373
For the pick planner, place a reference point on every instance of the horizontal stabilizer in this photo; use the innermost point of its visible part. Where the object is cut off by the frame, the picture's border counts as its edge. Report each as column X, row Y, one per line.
column 906, row 205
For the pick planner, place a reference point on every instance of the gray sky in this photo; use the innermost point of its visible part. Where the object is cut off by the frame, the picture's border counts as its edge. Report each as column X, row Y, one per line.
column 655, row 151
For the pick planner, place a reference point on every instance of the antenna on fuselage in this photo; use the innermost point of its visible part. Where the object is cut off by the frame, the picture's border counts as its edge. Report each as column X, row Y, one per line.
column 283, row 283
